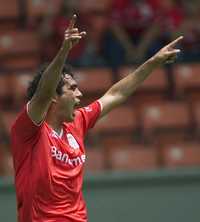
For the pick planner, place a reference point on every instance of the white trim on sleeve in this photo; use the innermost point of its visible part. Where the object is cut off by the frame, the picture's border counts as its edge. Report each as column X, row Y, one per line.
column 101, row 105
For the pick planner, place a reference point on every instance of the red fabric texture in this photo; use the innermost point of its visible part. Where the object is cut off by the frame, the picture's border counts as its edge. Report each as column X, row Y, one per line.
column 49, row 167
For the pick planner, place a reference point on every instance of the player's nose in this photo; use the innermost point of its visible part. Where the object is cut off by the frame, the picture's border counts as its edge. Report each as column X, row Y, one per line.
column 78, row 93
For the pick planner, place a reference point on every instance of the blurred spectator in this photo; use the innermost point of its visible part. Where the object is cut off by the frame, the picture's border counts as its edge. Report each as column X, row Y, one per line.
column 133, row 24
column 190, row 28
column 121, row 30
column 100, row 48
column 52, row 27
column 144, row 26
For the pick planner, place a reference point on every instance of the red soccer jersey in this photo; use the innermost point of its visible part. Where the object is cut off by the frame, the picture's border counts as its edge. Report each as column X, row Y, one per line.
column 49, row 167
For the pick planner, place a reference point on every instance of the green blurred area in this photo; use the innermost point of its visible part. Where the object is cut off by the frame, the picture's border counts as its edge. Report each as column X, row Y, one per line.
column 153, row 196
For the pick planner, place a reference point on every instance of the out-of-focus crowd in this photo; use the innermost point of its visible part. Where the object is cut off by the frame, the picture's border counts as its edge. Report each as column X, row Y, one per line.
column 123, row 31
column 119, row 32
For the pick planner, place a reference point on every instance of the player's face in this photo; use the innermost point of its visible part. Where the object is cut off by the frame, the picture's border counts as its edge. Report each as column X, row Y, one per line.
column 70, row 98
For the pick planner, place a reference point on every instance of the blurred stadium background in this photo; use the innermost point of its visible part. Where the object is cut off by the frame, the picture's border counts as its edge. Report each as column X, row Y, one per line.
column 143, row 159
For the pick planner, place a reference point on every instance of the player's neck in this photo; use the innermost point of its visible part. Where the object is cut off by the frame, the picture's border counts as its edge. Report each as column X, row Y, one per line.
column 54, row 121
column 55, row 125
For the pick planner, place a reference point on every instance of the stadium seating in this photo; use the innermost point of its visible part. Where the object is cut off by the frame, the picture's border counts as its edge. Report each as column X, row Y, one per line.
column 95, row 160
column 154, row 88
column 98, row 5
column 136, row 157
column 118, row 127
column 3, row 86
column 8, row 119
column 181, row 154
column 18, row 43
column 121, row 119
column 13, row 87
column 187, row 79
column 20, row 63
column 166, row 121
column 7, row 92
column 94, row 81
column 155, row 82
column 40, row 8
column 9, row 9
column 21, row 82
column 196, row 112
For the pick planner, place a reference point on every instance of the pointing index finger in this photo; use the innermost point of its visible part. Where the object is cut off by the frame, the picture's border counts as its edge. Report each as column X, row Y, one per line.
column 173, row 43
column 72, row 22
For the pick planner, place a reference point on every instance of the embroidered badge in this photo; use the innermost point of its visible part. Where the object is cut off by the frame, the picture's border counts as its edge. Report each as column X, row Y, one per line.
column 72, row 141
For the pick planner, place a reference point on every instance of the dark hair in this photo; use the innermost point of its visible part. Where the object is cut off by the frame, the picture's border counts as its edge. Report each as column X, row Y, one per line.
column 67, row 69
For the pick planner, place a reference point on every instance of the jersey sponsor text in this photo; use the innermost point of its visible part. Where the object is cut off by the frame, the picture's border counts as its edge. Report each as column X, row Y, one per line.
column 64, row 157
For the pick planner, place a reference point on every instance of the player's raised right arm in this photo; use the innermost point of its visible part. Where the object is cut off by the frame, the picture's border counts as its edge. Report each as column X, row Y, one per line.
column 39, row 104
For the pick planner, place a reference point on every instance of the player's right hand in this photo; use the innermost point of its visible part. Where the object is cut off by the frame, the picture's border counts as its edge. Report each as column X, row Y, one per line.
column 72, row 34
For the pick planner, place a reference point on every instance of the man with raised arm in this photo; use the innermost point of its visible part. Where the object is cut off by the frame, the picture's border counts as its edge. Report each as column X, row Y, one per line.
column 48, row 135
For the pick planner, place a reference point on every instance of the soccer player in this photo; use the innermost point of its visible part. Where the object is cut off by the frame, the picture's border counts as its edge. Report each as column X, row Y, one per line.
column 48, row 135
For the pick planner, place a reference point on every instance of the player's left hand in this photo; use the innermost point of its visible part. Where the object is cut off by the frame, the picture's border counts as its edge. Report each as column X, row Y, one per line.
column 169, row 53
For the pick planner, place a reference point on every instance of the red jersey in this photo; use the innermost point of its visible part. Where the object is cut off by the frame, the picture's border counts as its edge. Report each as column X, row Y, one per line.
column 49, row 167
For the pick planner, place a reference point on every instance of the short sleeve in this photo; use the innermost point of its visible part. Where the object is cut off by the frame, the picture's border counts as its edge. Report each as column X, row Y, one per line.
column 86, row 117
column 23, row 127
column 24, row 134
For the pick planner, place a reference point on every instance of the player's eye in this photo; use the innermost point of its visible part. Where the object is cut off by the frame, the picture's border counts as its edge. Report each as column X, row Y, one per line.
column 73, row 88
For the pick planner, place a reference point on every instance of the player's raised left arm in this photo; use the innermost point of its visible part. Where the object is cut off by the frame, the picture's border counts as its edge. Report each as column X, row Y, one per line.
column 120, row 91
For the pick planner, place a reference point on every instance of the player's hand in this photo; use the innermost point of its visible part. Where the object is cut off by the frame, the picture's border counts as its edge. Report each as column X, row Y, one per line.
column 169, row 53
column 72, row 34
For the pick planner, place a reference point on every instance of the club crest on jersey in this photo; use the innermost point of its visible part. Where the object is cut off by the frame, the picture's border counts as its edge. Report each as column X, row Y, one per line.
column 72, row 141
